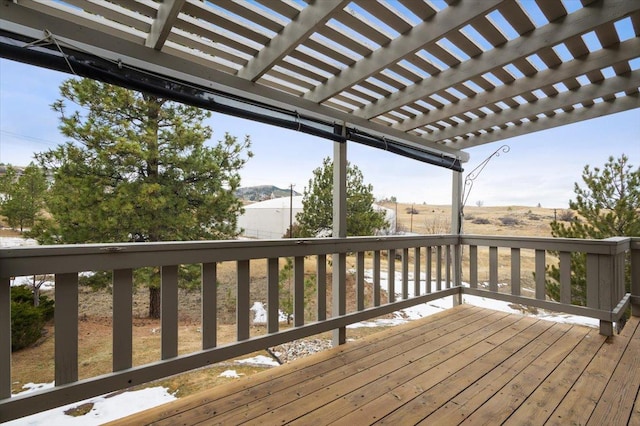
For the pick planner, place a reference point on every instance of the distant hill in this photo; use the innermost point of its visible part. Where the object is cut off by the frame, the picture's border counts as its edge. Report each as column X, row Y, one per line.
column 263, row 192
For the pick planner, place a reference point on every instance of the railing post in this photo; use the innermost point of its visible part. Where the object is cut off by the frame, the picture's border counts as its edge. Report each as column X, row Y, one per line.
column 610, row 273
column 635, row 277
column 5, row 337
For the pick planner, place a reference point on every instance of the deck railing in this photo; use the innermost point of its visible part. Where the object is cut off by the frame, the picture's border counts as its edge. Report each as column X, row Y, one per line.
column 393, row 261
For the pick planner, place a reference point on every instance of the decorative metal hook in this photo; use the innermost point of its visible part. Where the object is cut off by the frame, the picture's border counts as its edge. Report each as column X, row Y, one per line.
column 473, row 174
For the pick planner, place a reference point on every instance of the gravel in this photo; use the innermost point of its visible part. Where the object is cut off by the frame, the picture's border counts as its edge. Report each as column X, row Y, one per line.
column 287, row 352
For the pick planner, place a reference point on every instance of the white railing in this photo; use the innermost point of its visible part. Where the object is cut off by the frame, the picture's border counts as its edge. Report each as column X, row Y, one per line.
column 438, row 259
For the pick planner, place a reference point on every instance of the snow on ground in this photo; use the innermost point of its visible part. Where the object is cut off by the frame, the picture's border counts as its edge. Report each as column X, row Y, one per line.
column 105, row 408
column 230, row 374
column 17, row 242
column 260, row 314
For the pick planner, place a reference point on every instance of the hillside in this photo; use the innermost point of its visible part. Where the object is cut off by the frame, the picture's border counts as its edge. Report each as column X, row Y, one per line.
column 263, row 192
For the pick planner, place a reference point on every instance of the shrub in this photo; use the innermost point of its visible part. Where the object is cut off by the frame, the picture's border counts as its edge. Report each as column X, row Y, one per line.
column 481, row 221
column 27, row 321
column 411, row 210
column 566, row 216
column 509, row 221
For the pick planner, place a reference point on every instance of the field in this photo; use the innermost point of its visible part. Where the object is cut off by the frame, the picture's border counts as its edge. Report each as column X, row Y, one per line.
column 36, row 364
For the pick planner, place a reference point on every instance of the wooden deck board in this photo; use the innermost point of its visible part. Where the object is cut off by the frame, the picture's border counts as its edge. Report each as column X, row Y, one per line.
column 464, row 365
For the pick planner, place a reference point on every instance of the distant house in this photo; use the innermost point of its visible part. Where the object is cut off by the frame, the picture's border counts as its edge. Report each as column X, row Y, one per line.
column 272, row 218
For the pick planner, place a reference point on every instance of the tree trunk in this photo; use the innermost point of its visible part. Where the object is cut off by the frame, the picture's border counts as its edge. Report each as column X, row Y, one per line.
column 36, row 293
column 154, row 302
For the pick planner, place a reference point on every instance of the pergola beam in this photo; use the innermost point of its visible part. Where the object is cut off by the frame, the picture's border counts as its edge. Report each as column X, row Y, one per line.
column 575, row 24
column 610, row 86
column 299, row 29
column 161, row 27
column 421, row 36
column 581, row 114
column 127, row 48
column 623, row 52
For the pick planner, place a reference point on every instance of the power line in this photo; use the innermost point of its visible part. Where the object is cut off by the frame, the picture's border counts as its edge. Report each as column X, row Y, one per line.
column 29, row 138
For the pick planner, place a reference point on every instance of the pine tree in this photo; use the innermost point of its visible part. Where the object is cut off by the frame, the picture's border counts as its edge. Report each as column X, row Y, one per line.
column 23, row 196
column 607, row 206
column 137, row 169
column 316, row 217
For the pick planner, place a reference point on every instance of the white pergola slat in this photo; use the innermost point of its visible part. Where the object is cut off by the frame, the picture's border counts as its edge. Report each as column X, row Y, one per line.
column 440, row 78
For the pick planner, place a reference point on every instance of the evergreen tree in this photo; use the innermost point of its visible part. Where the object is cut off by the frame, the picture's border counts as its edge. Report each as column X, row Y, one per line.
column 316, row 217
column 23, row 196
column 607, row 206
column 137, row 169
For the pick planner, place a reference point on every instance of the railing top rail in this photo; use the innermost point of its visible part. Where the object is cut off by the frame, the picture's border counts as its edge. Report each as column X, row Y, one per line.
column 89, row 257
column 611, row 246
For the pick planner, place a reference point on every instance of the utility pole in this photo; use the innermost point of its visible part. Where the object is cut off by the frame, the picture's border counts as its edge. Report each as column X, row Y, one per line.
column 291, row 210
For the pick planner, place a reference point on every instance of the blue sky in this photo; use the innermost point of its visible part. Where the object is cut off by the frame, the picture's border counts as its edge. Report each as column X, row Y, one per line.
column 539, row 168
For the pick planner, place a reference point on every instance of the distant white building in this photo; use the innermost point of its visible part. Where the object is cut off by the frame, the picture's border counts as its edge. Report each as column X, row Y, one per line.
column 271, row 219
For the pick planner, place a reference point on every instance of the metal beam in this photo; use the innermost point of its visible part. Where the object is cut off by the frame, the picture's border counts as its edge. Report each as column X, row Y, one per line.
column 422, row 35
column 596, row 110
column 306, row 23
column 625, row 51
column 161, row 27
column 575, row 24
column 610, row 86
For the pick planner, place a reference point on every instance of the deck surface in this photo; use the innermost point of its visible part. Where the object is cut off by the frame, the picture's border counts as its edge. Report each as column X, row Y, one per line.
column 466, row 365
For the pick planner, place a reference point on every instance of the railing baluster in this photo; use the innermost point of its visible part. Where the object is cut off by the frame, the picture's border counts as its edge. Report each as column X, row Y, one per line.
column 66, row 328
column 360, row 281
column 298, row 291
column 339, row 295
column 439, row 268
column 540, row 274
column 515, row 271
column 416, row 271
column 447, row 263
column 122, row 319
column 593, row 291
column 405, row 273
column 169, row 311
column 427, row 266
column 635, row 277
column 5, row 337
column 242, row 300
column 209, row 305
column 473, row 266
column 391, row 275
column 273, row 295
column 565, row 277
column 376, row 278
column 321, row 280
column 493, row 269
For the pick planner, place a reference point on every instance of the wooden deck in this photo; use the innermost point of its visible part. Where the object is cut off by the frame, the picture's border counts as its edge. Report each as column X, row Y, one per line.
column 465, row 365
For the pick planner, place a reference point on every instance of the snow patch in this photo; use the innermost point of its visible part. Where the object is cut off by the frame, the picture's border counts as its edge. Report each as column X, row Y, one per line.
column 105, row 408
column 231, row 374
column 258, row 360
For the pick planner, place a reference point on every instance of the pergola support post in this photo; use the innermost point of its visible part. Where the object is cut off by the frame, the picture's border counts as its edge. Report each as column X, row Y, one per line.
column 456, row 229
column 339, row 231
